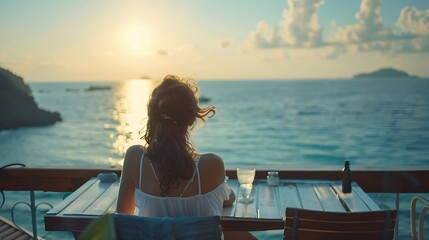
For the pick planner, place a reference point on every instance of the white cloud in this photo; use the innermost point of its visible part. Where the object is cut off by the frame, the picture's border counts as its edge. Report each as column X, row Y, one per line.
column 370, row 27
column 299, row 27
column 414, row 21
column 264, row 36
column 371, row 35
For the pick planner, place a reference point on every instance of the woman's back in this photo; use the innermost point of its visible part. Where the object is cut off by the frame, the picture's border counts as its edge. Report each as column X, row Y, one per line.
column 204, row 194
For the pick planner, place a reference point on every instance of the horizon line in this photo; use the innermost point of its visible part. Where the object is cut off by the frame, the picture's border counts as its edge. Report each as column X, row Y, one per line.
column 217, row 79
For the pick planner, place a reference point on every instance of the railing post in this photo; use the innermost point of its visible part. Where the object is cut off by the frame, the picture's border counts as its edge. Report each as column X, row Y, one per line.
column 33, row 214
column 397, row 215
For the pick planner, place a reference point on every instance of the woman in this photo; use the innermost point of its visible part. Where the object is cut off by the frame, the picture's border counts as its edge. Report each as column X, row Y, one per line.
column 168, row 177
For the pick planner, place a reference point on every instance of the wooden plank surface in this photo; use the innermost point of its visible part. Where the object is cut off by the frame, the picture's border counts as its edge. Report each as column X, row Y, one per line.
column 352, row 200
column 308, row 196
column 58, row 208
column 288, row 197
column 365, row 197
column 96, row 198
column 268, row 205
column 246, row 210
column 86, row 199
column 328, row 198
column 104, row 201
column 112, row 207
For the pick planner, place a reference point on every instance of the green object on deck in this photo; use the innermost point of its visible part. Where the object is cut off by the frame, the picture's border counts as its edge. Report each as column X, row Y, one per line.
column 100, row 229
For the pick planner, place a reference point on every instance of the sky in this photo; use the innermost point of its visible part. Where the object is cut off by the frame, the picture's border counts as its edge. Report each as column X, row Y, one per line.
column 108, row 40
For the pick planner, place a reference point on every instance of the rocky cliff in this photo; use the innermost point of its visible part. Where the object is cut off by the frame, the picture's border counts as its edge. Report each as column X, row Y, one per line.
column 17, row 105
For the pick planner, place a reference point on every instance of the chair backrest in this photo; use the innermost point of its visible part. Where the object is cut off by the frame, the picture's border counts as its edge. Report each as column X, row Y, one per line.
column 310, row 224
column 424, row 208
column 129, row 227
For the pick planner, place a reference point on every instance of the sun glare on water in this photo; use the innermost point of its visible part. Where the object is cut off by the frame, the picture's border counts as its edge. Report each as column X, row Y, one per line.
column 131, row 113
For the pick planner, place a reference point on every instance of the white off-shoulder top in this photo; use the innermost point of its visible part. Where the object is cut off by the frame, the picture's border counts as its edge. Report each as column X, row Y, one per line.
column 207, row 204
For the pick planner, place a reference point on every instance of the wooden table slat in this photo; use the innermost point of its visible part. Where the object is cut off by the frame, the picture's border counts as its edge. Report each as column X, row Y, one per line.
column 104, row 201
column 268, row 206
column 365, row 197
column 112, row 207
column 246, row 210
column 328, row 198
column 288, row 197
column 308, row 196
column 80, row 205
column 58, row 208
column 266, row 212
column 352, row 200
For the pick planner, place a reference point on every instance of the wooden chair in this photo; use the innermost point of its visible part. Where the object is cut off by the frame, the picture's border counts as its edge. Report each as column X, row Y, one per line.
column 312, row 225
column 9, row 231
column 134, row 227
column 424, row 209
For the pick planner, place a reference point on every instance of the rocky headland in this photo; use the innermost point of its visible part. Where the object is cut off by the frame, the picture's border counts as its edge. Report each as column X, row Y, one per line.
column 17, row 105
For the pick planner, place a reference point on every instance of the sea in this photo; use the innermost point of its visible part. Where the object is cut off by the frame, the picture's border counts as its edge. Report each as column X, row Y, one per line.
column 304, row 124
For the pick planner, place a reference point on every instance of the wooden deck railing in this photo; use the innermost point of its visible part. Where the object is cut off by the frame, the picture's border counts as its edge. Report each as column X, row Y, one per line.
column 68, row 179
column 64, row 179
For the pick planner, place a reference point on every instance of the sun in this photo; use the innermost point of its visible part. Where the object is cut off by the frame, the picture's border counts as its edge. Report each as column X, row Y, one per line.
column 136, row 38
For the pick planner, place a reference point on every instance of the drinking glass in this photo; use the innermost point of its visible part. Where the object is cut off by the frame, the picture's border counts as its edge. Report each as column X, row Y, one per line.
column 245, row 178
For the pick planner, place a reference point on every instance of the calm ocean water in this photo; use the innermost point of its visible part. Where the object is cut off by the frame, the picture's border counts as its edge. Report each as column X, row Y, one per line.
column 377, row 123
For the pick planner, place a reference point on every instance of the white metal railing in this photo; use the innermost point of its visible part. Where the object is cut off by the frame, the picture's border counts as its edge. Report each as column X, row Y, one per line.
column 32, row 206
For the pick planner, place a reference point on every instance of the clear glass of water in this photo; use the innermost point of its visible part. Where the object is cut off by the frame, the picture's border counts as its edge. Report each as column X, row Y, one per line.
column 245, row 178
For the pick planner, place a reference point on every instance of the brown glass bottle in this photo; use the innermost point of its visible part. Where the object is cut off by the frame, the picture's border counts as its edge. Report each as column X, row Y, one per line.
column 347, row 184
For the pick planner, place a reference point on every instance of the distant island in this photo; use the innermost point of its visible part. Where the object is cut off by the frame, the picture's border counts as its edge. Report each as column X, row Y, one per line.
column 17, row 105
column 385, row 73
column 98, row 88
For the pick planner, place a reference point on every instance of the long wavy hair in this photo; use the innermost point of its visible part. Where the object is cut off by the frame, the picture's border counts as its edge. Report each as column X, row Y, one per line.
column 172, row 112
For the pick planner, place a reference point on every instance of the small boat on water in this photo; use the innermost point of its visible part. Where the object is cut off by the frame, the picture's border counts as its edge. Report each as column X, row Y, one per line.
column 203, row 99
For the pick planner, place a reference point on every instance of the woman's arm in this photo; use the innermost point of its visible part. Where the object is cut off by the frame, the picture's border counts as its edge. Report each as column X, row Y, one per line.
column 127, row 186
column 231, row 199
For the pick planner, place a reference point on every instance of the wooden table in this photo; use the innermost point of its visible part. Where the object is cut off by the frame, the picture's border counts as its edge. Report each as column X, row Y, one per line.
column 95, row 198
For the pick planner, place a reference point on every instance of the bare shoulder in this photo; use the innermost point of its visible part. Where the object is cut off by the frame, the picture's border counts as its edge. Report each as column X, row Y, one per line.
column 133, row 155
column 212, row 161
column 135, row 149
column 212, row 171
